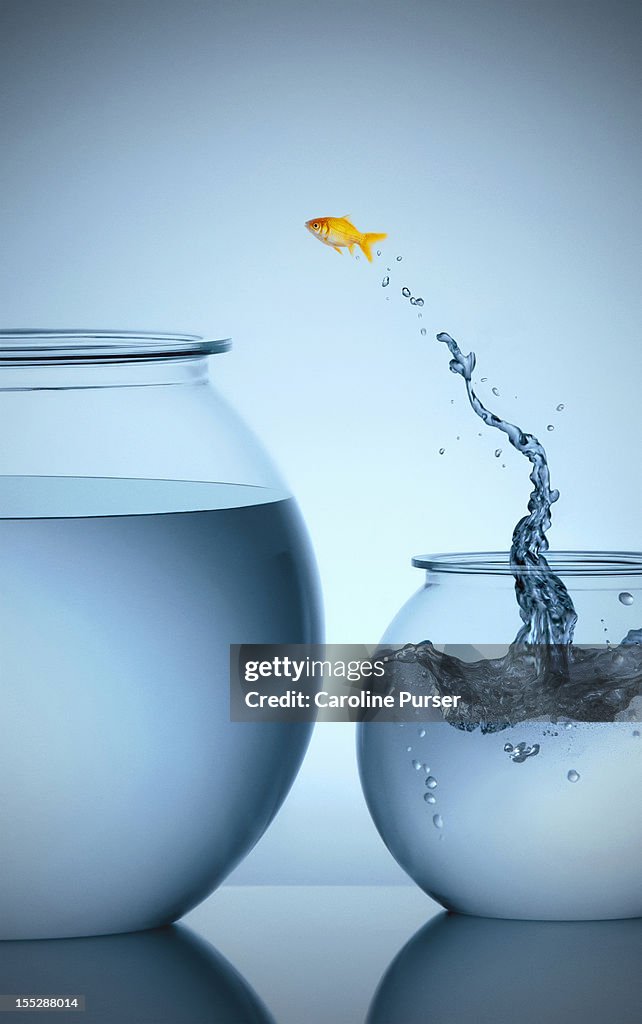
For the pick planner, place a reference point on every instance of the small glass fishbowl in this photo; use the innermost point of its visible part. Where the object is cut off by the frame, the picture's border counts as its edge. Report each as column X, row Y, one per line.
column 143, row 530
column 526, row 804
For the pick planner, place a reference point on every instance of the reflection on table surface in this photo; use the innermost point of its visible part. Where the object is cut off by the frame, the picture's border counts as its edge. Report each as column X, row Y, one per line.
column 164, row 976
column 337, row 955
column 503, row 972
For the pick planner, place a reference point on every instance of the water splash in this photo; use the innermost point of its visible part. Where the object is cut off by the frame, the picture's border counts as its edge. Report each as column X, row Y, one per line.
column 545, row 605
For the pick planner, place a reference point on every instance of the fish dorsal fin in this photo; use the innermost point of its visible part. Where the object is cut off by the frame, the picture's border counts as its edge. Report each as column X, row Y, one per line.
column 346, row 216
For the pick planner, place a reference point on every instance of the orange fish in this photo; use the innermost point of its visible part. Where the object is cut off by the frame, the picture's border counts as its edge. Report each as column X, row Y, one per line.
column 341, row 234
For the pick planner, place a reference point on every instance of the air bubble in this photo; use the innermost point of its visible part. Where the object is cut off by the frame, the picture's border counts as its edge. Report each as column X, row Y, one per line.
column 636, row 733
column 521, row 752
column 431, row 782
column 378, row 252
column 442, row 451
column 496, row 392
column 422, row 733
column 405, row 292
column 498, row 452
column 385, row 282
column 420, row 302
column 408, row 749
column 417, row 765
column 438, row 821
column 429, row 798
column 550, row 427
column 560, row 407
column 484, row 379
column 399, row 259
column 423, row 331
column 573, row 776
column 625, row 597
column 413, row 301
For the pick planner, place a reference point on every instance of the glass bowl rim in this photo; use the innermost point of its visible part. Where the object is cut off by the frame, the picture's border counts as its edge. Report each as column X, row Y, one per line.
column 35, row 345
column 562, row 563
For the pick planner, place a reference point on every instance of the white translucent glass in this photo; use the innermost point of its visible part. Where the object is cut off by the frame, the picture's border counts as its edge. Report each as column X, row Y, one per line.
column 552, row 836
column 142, row 531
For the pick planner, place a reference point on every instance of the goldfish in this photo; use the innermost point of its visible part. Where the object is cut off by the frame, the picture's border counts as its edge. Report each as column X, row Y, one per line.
column 341, row 234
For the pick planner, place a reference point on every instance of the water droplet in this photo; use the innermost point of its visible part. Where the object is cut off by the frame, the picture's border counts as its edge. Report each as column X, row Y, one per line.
column 498, row 452
column 560, row 407
column 399, row 259
column 385, row 282
column 429, row 798
column 573, row 776
column 422, row 733
column 625, row 597
column 496, row 392
column 405, row 292
column 417, row 765
column 420, row 302
column 438, row 821
column 550, row 427
column 423, row 331
column 442, row 451
column 431, row 782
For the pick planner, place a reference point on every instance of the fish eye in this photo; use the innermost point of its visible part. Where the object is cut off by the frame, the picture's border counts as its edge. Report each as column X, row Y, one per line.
column 316, row 225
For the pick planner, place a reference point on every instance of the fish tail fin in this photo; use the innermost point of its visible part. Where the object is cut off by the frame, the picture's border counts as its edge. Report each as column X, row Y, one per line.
column 367, row 241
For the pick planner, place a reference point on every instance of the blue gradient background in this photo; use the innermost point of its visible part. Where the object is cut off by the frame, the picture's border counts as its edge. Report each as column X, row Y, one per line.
column 158, row 162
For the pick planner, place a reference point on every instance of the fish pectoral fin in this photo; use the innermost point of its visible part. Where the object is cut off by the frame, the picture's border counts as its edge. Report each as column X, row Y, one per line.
column 337, row 249
column 351, row 247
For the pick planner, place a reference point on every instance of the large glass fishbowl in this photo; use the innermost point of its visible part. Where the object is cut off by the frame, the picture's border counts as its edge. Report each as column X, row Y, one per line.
column 143, row 530
column 525, row 802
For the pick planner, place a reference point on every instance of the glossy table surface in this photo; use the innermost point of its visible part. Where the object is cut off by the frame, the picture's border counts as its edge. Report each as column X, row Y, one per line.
column 336, row 955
